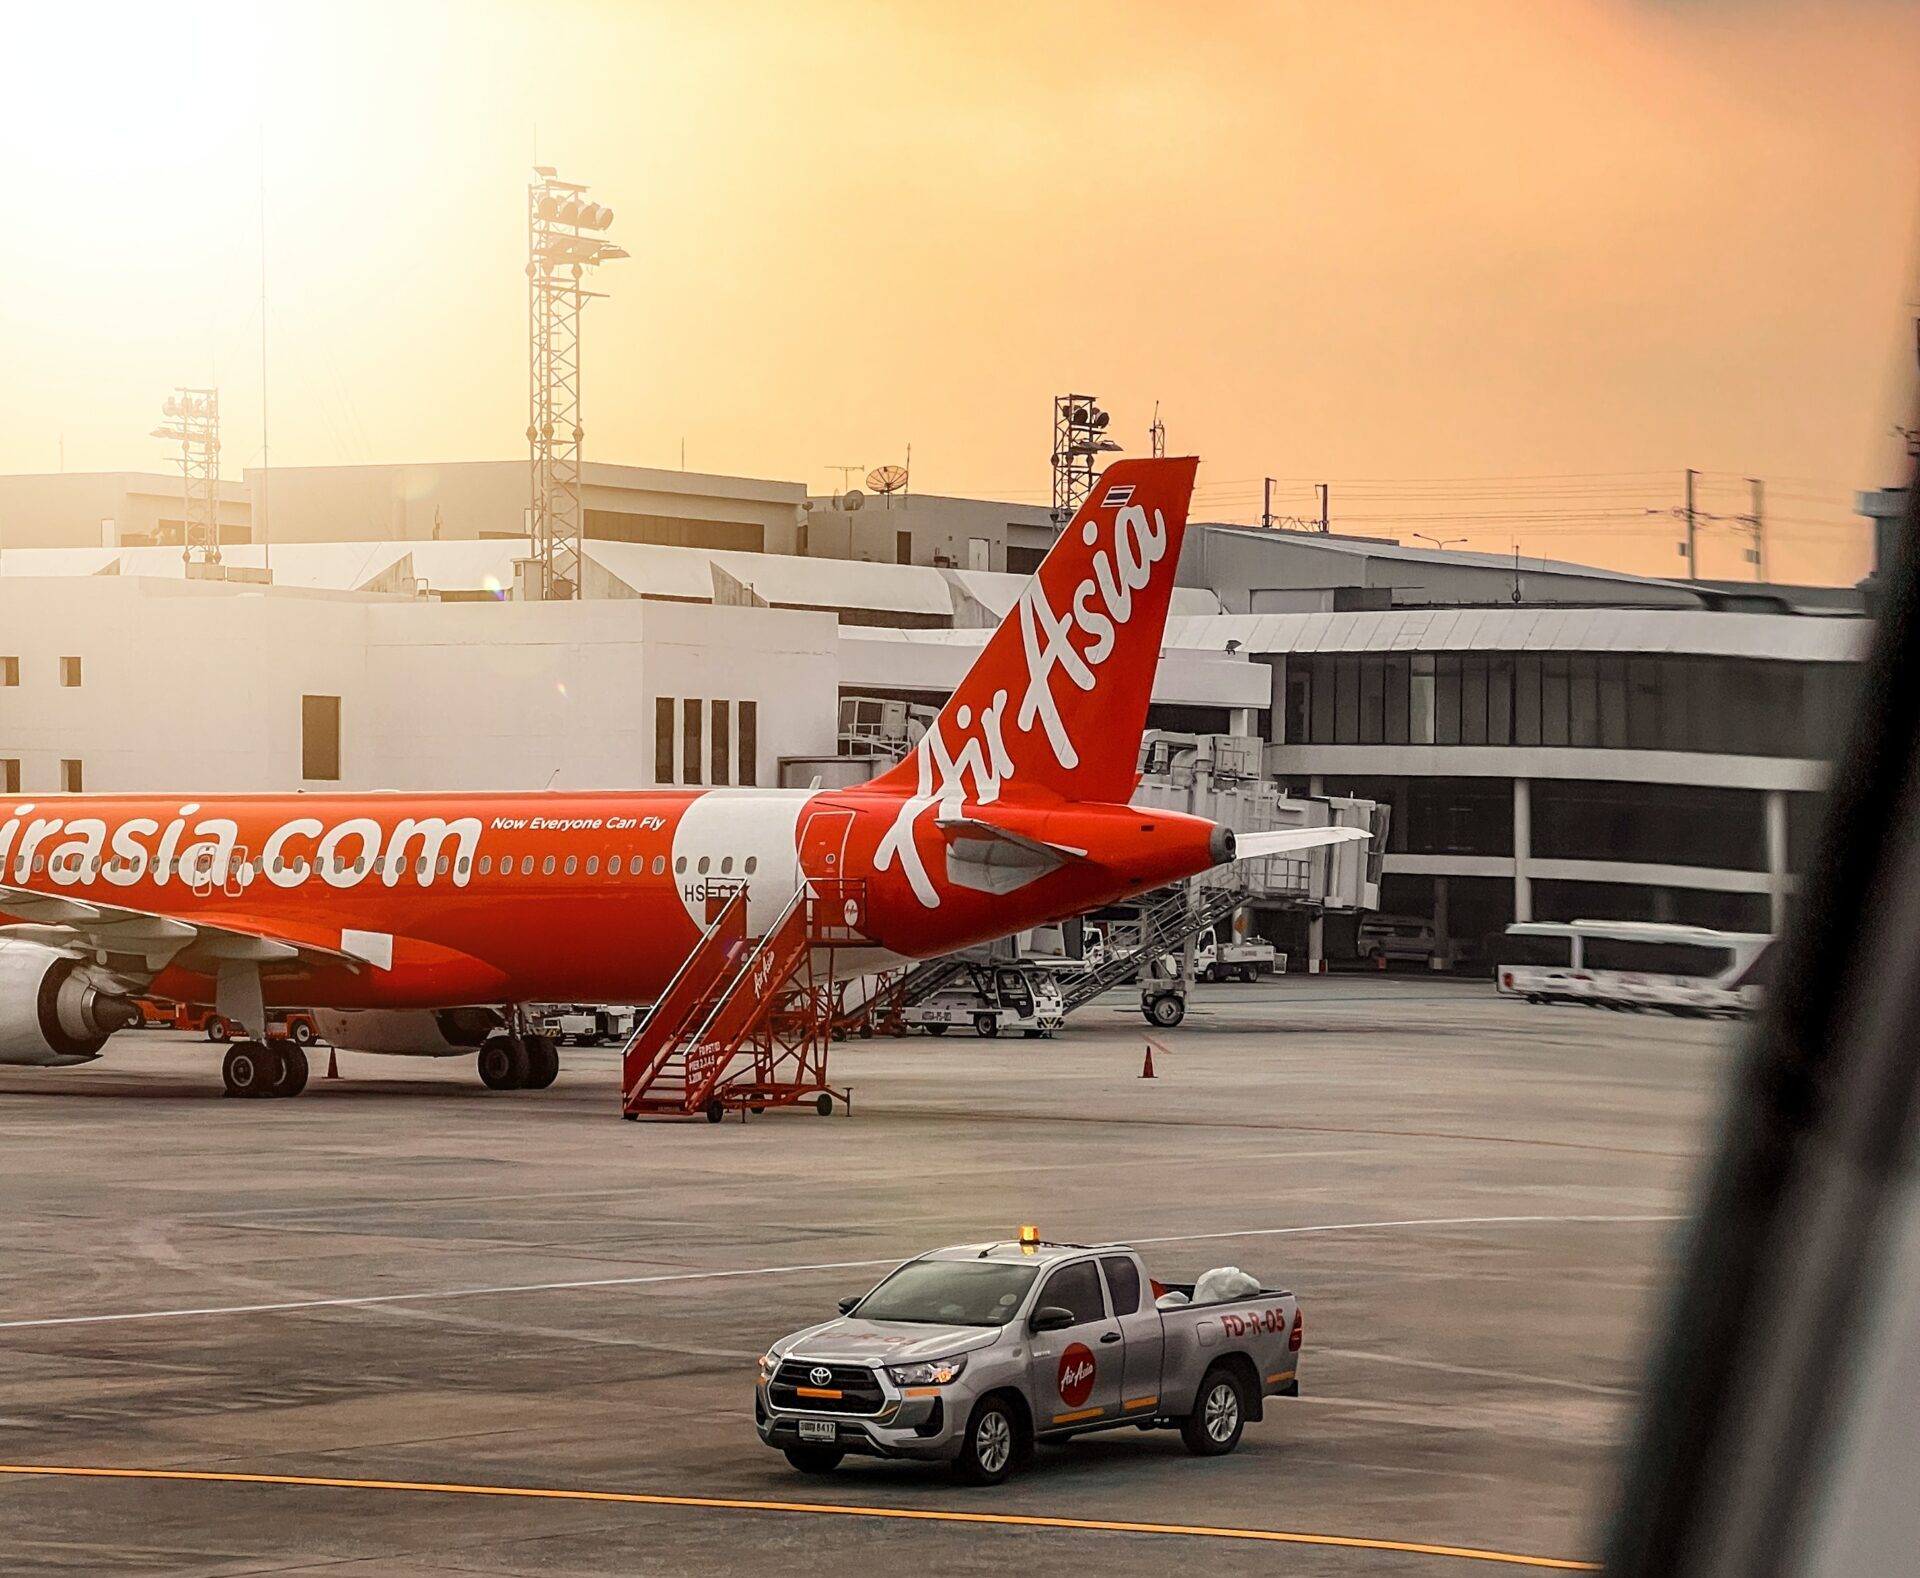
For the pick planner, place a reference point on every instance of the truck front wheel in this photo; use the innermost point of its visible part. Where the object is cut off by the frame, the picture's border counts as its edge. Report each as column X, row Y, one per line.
column 1219, row 1415
column 814, row 1459
column 991, row 1445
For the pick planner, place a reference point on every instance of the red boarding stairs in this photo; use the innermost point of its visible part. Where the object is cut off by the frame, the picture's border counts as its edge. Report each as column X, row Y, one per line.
column 746, row 1022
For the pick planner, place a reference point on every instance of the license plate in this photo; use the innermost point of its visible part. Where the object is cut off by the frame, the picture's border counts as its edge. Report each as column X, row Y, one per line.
column 819, row 1430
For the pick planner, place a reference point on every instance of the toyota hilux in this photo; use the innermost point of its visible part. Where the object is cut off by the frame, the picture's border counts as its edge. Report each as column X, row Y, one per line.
column 972, row 1354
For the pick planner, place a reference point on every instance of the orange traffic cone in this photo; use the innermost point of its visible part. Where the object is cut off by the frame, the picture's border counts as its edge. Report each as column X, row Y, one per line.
column 333, row 1064
column 1146, row 1068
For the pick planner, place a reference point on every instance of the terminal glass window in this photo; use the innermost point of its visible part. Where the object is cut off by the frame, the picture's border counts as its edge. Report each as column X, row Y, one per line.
column 70, row 672
column 690, row 741
column 9, row 775
column 721, row 774
column 663, row 739
column 749, row 743
column 9, row 671
column 1735, row 706
column 320, row 738
column 70, row 781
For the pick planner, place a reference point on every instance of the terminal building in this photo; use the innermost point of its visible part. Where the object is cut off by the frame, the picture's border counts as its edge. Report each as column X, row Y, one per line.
column 1553, row 741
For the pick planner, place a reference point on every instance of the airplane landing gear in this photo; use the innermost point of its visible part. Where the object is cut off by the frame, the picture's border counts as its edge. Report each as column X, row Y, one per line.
column 513, row 1062
column 264, row 1068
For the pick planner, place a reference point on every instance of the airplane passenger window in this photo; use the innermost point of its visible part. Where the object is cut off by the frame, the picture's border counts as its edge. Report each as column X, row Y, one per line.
column 573, row 864
column 613, row 865
column 593, row 865
column 486, row 865
column 680, row 864
column 726, row 865
column 526, row 865
column 546, row 867
column 753, row 862
column 441, row 866
column 464, row 864
column 659, row 864
column 702, row 867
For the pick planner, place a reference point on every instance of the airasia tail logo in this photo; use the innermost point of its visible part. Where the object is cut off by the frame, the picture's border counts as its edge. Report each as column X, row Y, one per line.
column 1076, row 1374
column 1100, row 606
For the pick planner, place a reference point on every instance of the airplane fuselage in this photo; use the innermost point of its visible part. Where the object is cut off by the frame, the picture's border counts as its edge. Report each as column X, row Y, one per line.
column 437, row 900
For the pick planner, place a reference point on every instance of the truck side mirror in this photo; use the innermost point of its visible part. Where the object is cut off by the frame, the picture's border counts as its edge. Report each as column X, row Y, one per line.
column 850, row 1303
column 1051, row 1317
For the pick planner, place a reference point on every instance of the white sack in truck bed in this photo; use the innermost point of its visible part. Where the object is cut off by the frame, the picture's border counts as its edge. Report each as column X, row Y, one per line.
column 1223, row 1283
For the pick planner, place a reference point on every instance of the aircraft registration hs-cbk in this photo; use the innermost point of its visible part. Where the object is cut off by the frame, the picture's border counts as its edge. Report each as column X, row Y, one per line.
column 415, row 924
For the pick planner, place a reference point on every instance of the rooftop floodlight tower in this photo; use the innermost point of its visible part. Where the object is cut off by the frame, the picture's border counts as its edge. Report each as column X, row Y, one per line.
column 564, row 240
column 1079, row 438
column 193, row 422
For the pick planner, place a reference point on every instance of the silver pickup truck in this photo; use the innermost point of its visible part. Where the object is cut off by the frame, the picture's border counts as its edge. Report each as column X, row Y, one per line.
column 971, row 1354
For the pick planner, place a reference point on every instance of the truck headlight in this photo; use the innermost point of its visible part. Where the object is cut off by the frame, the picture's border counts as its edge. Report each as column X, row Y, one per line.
column 935, row 1372
column 769, row 1362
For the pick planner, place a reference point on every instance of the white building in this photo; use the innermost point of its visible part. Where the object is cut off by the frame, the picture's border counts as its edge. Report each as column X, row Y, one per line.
column 1554, row 741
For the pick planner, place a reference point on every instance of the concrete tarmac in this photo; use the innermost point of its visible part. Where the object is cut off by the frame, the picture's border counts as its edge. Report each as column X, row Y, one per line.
column 401, row 1277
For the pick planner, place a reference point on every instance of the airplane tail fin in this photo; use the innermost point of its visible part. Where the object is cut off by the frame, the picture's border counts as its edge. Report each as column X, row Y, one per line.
column 1057, row 700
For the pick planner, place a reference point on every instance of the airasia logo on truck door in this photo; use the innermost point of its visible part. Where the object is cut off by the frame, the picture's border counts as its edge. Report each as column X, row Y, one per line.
column 1076, row 1374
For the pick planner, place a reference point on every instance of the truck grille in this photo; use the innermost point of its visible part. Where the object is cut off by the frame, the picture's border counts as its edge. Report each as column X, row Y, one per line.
column 859, row 1392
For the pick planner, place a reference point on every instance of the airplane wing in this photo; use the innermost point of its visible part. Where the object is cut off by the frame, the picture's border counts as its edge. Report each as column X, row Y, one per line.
column 138, row 944
column 1289, row 840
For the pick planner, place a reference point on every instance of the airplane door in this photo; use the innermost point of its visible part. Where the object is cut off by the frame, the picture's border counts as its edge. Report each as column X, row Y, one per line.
column 823, row 857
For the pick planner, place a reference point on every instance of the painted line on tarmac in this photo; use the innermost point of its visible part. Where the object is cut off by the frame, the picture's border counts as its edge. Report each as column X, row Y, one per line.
column 366, row 1300
column 812, row 1508
column 1419, row 1221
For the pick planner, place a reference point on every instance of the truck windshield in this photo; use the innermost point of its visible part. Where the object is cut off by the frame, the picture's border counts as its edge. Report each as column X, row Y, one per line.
column 950, row 1293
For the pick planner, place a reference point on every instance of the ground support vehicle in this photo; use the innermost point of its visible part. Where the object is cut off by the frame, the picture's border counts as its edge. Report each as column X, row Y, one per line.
column 576, row 1025
column 992, row 1000
column 1237, row 961
column 161, row 1013
column 1635, row 966
column 970, row 1355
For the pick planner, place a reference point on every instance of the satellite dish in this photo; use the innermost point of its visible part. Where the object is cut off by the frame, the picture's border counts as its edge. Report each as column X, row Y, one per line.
column 886, row 480
column 852, row 499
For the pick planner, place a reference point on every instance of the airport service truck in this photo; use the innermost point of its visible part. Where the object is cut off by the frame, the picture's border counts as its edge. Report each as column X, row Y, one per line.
column 970, row 1355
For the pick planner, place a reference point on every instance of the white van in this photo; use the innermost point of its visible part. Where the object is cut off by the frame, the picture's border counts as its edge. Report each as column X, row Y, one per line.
column 1394, row 939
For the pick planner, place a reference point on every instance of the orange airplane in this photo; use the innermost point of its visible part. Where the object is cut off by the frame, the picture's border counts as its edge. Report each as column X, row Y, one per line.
column 420, row 923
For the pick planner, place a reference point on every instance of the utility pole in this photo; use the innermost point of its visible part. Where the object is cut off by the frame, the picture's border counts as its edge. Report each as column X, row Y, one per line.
column 1323, row 487
column 1266, row 503
column 1157, row 433
column 1692, row 568
column 1756, row 522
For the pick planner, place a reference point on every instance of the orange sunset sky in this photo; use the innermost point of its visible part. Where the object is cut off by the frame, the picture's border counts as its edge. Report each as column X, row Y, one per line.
column 1564, row 247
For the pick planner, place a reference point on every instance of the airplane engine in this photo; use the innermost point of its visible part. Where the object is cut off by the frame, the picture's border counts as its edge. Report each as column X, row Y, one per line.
column 52, row 1013
column 407, row 1032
